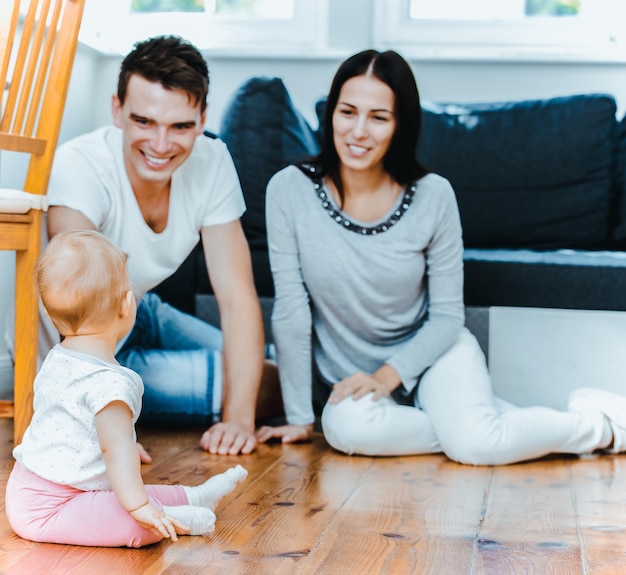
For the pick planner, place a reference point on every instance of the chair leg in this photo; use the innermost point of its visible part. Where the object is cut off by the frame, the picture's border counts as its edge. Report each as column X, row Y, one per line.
column 26, row 329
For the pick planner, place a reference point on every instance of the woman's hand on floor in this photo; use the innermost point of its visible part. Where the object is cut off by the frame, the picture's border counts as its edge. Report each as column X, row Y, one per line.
column 286, row 433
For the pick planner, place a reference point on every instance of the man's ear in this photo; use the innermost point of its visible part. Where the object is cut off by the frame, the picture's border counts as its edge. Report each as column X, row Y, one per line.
column 127, row 304
column 202, row 121
column 116, row 111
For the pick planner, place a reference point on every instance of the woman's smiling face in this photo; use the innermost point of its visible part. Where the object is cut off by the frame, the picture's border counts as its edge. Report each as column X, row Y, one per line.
column 364, row 123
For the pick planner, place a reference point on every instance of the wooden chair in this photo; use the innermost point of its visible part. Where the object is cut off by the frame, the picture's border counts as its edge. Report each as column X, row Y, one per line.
column 35, row 69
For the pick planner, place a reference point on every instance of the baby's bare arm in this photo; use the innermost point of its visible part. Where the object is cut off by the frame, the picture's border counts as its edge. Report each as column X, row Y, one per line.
column 114, row 426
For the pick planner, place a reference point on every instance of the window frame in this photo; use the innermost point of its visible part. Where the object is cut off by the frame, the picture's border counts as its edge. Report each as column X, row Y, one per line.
column 111, row 28
column 594, row 36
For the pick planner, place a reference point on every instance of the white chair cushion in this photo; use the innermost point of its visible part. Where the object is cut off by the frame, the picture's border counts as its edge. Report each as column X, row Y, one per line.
column 19, row 202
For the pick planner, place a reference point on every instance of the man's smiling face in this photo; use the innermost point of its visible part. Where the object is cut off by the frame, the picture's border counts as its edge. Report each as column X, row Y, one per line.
column 160, row 128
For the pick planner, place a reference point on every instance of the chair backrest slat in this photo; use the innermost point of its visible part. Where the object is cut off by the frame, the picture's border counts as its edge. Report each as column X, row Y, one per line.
column 43, row 66
column 36, row 62
column 17, row 143
column 15, row 80
column 9, row 17
column 33, row 57
column 21, row 98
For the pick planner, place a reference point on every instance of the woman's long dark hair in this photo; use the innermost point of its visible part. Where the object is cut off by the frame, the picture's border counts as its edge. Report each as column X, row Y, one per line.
column 401, row 159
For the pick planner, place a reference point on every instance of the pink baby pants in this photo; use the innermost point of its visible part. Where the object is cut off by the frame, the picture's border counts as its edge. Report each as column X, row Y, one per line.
column 40, row 510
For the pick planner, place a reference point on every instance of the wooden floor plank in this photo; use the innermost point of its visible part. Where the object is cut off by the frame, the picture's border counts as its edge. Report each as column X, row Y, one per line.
column 408, row 515
column 530, row 522
column 600, row 491
column 181, row 460
column 272, row 526
column 305, row 509
column 49, row 559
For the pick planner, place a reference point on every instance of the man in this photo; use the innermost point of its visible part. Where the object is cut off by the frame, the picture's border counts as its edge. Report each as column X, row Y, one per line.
column 152, row 183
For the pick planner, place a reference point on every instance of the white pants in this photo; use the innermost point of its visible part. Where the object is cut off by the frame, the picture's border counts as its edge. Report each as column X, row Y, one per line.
column 459, row 416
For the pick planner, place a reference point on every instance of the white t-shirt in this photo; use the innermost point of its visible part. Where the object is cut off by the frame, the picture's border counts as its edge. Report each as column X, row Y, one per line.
column 88, row 175
column 61, row 443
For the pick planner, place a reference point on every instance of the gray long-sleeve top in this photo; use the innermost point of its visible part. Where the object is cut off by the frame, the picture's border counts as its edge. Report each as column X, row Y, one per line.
column 353, row 301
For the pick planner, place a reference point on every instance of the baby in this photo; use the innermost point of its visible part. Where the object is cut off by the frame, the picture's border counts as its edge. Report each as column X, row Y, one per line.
column 77, row 477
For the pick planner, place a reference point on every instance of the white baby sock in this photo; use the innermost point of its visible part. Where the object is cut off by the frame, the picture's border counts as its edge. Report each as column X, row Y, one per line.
column 212, row 490
column 200, row 520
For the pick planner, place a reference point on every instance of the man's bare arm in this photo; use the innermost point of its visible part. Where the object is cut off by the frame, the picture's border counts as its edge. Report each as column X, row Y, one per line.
column 61, row 219
column 230, row 270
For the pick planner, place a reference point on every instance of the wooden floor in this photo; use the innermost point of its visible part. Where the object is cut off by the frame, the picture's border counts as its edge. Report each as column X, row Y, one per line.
column 305, row 509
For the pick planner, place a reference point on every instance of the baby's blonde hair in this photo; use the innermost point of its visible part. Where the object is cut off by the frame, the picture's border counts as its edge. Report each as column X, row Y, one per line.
column 82, row 279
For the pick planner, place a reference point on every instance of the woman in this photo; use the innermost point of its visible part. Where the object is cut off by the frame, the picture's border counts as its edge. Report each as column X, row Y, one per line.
column 367, row 255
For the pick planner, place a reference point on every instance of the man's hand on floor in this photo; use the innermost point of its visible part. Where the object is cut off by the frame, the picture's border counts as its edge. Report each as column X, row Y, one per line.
column 228, row 438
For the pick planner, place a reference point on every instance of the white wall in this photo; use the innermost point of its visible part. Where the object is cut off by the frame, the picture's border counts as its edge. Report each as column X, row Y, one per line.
column 94, row 80
column 308, row 79
column 7, row 274
column 539, row 356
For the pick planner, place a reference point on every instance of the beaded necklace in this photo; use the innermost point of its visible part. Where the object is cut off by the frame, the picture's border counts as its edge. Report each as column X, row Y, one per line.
column 347, row 223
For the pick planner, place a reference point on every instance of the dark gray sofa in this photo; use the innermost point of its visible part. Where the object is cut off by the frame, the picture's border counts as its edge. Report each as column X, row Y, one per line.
column 540, row 186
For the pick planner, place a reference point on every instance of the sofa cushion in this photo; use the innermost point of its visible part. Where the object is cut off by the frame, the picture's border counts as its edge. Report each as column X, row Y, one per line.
column 566, row 279
column 537, row 174
column 619, row 233
column 264, row 133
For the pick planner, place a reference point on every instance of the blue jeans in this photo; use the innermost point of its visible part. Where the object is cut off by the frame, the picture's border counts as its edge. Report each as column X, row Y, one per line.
column 179, row 359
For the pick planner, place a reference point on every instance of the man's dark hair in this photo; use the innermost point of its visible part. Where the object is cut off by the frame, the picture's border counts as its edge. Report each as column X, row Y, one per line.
column 171, row 61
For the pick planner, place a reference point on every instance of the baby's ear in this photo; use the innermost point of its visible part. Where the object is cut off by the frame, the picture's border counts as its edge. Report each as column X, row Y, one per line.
column 45, row 309
column 127, row 303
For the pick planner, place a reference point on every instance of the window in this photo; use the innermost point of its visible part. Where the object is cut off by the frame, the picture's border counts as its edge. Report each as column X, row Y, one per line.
column 501, row 29
column 148, row 6
column 491, row 9
column 262, row 9
column 251, row 25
